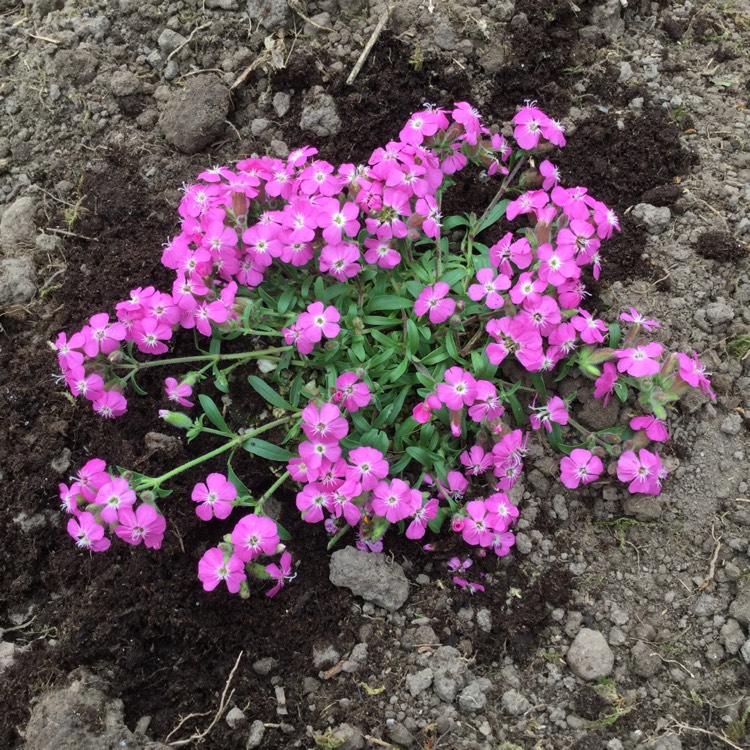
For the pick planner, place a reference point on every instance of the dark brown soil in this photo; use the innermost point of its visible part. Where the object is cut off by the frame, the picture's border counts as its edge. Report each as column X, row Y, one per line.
column 143, row 615
column 720, row 246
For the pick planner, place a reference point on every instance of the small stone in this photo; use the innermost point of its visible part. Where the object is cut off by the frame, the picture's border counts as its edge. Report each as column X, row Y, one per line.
column 17, row 280
column 719, row 312
column 643, row 507
column 255, row 736
column 654, row 218
column 715, row 654
column 281, row 103
column 270, row 14
column 705, row 605
column 125, row 83
column 745, row 651
column 472, row 698
column 265, row 666
column 319, row 113
column 18, row 226
column 523, row 544
column 235, row 717
column 514, row 703
column 449, row 673
column 484, row 620
column 347, row 737
column 195, row 117
column 732, row 636
column 170, row 40
column 560, row 507
column 667, row 742
column 370, row 576
column 400, row 735
column 325, row 656
column 740, row 607
column 7, row 655
column 419, row 682
column 732, row 424
column 645, row 662
column 590, row 656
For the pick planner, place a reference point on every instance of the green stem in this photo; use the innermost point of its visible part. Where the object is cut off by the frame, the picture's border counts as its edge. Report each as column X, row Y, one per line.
column 262, row 499
column 211, row 358
column 339, row 534
column 587, row 433
column 229, row 445
column 503, row 189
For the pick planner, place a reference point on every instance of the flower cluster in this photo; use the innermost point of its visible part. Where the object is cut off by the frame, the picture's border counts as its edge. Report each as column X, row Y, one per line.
column 406, row 365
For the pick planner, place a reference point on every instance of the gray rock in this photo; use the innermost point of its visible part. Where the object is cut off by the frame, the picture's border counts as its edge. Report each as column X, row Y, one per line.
column 347, row 737
column 255, row 735
column 472, row 698
column 626, row 72
column 7, row 655
column 705, row 605
column 222, row 5
column 745, row 651
column 484, row 620
column 523, row 543
column 325, row 656
column 17, row 281
column 607, row 17
column 195, row 117
column 18, row 226
column 514, row 703
column 732, row 636
column 654, row 218
column 270, row 14
column 125, row 83
column 589, row 656
column 399, row 734
column 645, row 662
column 740, row 607
column 719, row 312
column 81, row 716
column 259, row 126
column 44, row 7
column 643, row 507
column 732, row 424
column 265, row 666
column 419, row 682
column 281, row 103
column 169, row 40
column 370, row 576
column 668, row 742
column 75, row 66
column 445, row 37
column 235, row 717
column 449, row 673
column 560, row 507
column 319, row 113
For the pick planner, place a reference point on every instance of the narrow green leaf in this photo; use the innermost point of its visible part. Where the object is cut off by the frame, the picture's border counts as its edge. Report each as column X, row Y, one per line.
column 213, row 413
column 267, row 393
column 517, row 410
column 242, row 490
column 267, row 450
column 495, row 215
column 389, row 302
column 538, row 382
column 285, row 300
column 615, row 334
column 412, row 337
column 398, row 371
column 284, row 535
column 455, row 221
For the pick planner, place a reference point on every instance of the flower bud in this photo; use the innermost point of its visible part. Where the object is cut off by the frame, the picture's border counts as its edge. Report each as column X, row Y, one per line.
column 176, row 419
column 116, row 356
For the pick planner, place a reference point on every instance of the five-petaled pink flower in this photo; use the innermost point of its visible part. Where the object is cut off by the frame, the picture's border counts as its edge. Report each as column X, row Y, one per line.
column 216, row 566
column 580, row 467
column 644, row 471
column 639, row 361
column 214, row 497
column 144, row 525
column 432, row 300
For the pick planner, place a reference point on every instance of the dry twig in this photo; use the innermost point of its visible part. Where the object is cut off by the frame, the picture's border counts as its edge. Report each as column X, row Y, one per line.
column 368, row 47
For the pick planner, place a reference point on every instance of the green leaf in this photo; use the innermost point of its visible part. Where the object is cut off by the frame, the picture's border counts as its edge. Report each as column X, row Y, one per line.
column 398, row 371
column 435, row 524
column 435, row 356
column 242, row 490
column 267, row 393
column 615, row 334
column 538, row 382
column 454, row 276
column 285, row 300
column 267, row 450
column 296, row 390
column 389, row 302
column 621, row 391
column 426, row 458
column 455, row 221
column 284, row 535
column 213, row 413
column 376, row 439
column 412, row 337
column 495, row 215
column 517, row 410
column 318, row 288
column 452, row 347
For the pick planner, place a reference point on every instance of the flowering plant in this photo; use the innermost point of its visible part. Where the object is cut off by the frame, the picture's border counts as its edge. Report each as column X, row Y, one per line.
column 409, row 359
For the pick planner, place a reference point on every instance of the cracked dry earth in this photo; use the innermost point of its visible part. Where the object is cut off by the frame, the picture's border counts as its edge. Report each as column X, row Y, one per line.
column 617, row 622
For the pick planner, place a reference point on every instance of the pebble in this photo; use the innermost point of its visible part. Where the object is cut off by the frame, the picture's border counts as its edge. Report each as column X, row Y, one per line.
column 319, row 115
column 18, row 226
column 235, row 717
column 590, row 656
column 732, row 424
column 255, row 736
column 419, row 682
column 740, row 607
column 654, row 218
column 17, row 280
column 515, row 703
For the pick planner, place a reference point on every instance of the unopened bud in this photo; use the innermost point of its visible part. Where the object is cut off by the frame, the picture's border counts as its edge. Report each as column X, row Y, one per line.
column 176, row 419
column 116, row 356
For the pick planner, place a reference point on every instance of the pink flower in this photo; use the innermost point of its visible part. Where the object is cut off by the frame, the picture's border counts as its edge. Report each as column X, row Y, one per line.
column 501, row 512
column 432, row 299
column 502, row 542
column 88, row 533
column 555, row 411
column 324, row 423
column 693, row 372
column 381, row 253
column 550, row 173
column 280, row 573
column 110, row 404
column 114, row 496
column 487, row 405
column 395, row 501
column 592, row 329
column 216, row 566
column 214, row 498
column 558, row 264
column 207, row 313
column 318, row 321
column 178, row 392
column 467, row 116
column 145, row 525
column 639, row 361
column 528, row 128
column 477, row 528
column 605, row 383
column 367, row 466
column 354, row 394
column 644, row 471
column 637, row 319
column 254, row 536
column 312, row 500
column 149, row 335
column 422, row 516
column 91, row 477
column 476, row 460
column 489, row 287
column 314, row 453
column 459, row 388
column 580, row 467
column 101, row 335
column 656, row 429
